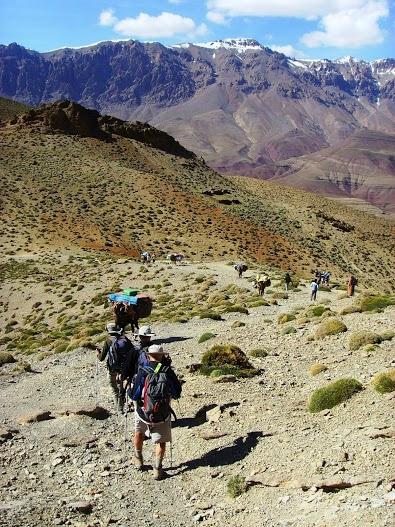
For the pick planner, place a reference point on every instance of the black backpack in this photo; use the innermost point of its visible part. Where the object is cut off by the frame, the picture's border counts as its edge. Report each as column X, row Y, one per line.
column 156, row 393
column 120, row 355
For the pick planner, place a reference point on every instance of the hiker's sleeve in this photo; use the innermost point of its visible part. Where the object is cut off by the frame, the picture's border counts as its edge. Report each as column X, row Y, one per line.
column 138, row 386
column 104, row 351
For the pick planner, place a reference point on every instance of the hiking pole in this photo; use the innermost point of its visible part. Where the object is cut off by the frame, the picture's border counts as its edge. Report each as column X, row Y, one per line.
column 97, row 381
column 125, row 442
column 171, row 454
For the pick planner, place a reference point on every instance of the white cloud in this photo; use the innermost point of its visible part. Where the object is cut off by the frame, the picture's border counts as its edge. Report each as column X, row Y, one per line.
column 288, row 50
column 165, row 25
column 342, row 23
column 216, row 17
column 107, row 18
column 350, row 28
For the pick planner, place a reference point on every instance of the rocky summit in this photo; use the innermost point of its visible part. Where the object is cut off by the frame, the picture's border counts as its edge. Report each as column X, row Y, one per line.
column 243, row 107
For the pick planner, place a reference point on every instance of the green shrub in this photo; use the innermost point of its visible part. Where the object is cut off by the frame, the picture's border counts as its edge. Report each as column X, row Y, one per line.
column 285, row 317
column 259, row 353
column 205, row 336
column 22, row 367
column 238, row 324
column 236, row 486
column 374, row 302
column 315, row 369
column 210, row 314
column 384, row 382
column 387, row 335
column 227, row 358
column 288, row 330
column 316, row 311
column 362, row 338
column 235, row 309
column 331, row 326
column 280, row 295
column 6, row 358
column 333, row 394
column 350, row 309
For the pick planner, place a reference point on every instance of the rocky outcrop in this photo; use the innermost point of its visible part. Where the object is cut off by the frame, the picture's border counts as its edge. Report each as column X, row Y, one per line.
column 72, row 118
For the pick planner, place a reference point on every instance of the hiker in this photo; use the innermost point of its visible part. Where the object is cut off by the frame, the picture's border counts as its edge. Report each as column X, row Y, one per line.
column 261, row 282
column 121, row 361
column 287, row 280
column 351, row 283
column 240, row 268
column 153, row 257
column 318, row 276
column 154, row 387
column 144, row 336
column 314, row 289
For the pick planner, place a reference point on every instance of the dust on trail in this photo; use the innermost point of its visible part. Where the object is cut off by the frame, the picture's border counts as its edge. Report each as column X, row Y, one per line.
column 264, row 428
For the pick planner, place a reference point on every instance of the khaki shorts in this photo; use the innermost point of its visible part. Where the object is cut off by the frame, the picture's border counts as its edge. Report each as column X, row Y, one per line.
column 159, row 433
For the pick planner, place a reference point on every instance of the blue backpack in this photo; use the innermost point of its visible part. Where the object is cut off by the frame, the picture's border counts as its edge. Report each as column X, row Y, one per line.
column 119, row 356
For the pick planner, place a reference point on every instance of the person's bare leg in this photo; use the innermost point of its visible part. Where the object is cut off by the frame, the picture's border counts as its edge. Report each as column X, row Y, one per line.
column 160, row 450
column 138, row 449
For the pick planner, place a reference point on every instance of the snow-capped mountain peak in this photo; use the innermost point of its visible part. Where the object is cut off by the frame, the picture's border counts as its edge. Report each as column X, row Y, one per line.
column 240, row 45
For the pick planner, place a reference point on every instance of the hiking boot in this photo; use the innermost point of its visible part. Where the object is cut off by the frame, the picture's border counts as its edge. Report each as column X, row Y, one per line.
column 139, row 463
column 159, row 474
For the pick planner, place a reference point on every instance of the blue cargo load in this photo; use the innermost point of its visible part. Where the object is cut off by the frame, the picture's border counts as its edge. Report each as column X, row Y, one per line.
column 120, row 297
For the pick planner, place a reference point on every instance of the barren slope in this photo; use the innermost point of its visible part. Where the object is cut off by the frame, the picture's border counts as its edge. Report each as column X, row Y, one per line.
column 113, row 193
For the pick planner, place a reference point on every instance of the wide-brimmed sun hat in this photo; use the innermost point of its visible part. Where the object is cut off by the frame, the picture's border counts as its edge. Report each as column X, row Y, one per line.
column 157, row 349
column 114, row 329
column 145, row 331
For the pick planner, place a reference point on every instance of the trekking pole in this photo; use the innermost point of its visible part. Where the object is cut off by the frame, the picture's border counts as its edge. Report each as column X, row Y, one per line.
column 97, row 381
column 125, row 443
column 171, row 454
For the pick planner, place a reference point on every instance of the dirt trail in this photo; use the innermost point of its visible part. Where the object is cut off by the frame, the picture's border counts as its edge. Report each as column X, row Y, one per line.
column 264, row 427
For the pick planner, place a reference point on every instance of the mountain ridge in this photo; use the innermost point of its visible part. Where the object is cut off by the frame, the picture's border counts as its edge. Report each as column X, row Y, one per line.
column 243, row 112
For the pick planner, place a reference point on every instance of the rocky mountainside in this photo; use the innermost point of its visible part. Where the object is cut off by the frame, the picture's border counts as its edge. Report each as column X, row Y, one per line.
column 240, row 105
column 73, row 178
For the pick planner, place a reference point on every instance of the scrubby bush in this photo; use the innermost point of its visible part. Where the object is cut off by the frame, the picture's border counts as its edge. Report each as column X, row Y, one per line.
column 205, row 336
column 6, row 358
column 316, row 311
column 331, row 326
column 210, row 314
column 227, row 358
column 280, row 295
column 238, row 324
column 22, row 367
column 236, row 486
column 333, row 394
column 350, row 309
column 362, row 338
column 236, row 309
column 259, row 353
column 375, row 302
column 384, row 382
column 285, row 317
column 387, row 335
column 315, row 369
column 288, row 330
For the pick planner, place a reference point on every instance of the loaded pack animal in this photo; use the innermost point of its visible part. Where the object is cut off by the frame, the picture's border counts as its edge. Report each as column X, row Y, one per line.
column 261, row 282
column 126, row 313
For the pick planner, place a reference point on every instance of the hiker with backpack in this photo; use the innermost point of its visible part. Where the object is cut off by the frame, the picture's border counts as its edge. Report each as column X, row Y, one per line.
column 122, row 360
column 314, row 289
column 154, row 387
column 287, row 280
column 351, row 283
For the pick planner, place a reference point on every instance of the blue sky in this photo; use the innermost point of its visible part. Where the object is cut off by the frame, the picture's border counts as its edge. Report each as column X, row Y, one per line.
column 303, row 28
